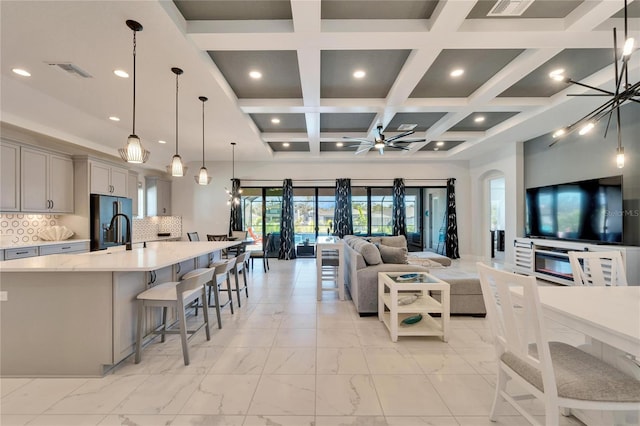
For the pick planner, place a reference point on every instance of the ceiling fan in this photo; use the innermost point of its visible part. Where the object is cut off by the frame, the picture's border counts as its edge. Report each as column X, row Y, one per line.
column 380, row 142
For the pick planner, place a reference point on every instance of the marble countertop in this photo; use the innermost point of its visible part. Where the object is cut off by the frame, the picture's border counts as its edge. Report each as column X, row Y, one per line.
column 157, row 255
column 8, row 246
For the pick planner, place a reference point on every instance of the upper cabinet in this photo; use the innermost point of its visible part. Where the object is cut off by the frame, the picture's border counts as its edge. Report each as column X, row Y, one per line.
column 9, row 177
column 46, row 182
column 158, row 196
column 108, row 180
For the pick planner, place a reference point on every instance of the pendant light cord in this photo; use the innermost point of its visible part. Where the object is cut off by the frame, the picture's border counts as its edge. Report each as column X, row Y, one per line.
column 202, row 133
column 134, row 82
column 177, row 75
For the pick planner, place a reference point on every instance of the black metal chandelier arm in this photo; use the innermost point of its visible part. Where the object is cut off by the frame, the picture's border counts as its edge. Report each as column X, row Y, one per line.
column 589, row 87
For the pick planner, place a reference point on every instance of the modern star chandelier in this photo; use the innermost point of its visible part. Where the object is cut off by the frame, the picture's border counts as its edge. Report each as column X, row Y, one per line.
column 623, row 93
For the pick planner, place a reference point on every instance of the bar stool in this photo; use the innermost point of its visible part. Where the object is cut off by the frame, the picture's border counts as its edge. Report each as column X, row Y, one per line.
column 221, row 272
column 178, row 295
column 241, row 267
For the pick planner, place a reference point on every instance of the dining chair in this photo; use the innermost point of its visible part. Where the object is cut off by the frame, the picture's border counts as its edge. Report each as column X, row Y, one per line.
column 177, row 295
column 219, row 237
column 560, row 375
column 262, row 254
column 599, row 268
column 193, row 236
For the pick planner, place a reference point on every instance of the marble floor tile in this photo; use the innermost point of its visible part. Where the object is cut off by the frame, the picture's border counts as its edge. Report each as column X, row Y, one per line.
column 350, row 395
column 332, row 338
column 409, row 395
column 252, row 338
column 483, row 360
column 341, row 361
column 465, row 395
column 298, row 321
column 257, row 320
column 284, row 395
column 240, row 361
column 279, row 421
column 159, row 394
column 325, row 321
column 222, row 394
column 38, row 395
column 206, row 420
column 137, row 420
column 9, row 384
column 351, row 421
column 97, row 396
column 391, row 361
column 295, row 337
column 67, row 420
column 16, row 419
column 443, row 363
column 291, row 361
column 421, row 421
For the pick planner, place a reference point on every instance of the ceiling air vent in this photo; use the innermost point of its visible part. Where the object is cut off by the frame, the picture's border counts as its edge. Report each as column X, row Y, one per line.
column 71, row 69
column 509, row 7
column 406, row 127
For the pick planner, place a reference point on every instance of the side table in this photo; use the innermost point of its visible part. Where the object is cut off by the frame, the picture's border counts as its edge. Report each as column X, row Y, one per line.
column 393, row 285
column 330, row 265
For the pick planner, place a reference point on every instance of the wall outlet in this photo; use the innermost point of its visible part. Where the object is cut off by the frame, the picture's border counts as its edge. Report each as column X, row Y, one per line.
column 4, row 296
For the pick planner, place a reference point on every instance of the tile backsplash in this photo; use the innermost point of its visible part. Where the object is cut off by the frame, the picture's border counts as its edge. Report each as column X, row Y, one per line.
column 18, row 228
column 147, row 228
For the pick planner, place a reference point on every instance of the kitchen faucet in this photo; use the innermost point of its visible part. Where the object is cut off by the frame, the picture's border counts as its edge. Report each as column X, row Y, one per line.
column 128, row 237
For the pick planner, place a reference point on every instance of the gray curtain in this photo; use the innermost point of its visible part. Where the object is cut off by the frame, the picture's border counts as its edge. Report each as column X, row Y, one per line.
column 399, row 211
column 451, row 237
column 287, row 238
column 235, row 220
column 342, row 220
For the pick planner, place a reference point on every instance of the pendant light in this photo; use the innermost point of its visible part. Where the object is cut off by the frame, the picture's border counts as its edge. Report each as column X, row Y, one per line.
column 236, row 191
column 176, row 168
column 134, row 152
column 203, row 177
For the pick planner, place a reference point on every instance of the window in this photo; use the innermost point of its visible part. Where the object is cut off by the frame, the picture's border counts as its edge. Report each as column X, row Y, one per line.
column 251, row 203
column 326, row 210
column 360, row 210
column 304, row 214
column 381, row 211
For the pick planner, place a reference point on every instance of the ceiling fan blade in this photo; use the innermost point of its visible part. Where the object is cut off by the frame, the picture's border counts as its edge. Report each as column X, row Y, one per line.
column 381, row 150
column 404, row 148
column 361, row 150
column 356, row 139
column 360, row 146
column 401, row 135
column 411, row 141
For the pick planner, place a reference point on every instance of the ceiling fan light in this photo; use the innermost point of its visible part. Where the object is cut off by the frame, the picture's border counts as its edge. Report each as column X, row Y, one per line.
column 379, row 145
column 177, row 170
column 628, row 46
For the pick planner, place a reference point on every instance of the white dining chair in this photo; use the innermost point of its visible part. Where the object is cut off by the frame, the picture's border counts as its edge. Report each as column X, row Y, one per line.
column 178, row 295
column 599, row 268
column 559, row 374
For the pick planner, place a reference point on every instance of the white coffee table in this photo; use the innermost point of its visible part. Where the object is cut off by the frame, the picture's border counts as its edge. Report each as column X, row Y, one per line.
column 391, row 287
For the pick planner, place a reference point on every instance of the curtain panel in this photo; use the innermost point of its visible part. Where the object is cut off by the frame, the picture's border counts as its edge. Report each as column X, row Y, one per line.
column 235, row 219
column 399, row 211
column 451, row 237
column 287, row 238
column 342, row 219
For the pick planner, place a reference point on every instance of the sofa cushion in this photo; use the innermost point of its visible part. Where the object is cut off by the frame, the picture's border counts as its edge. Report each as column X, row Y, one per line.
column 392, row 254
column 395, row 241
column 369, row 251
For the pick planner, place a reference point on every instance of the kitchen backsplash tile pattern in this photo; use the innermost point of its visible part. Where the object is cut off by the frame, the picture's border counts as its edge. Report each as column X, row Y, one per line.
column 147, row 228
column 21, row 228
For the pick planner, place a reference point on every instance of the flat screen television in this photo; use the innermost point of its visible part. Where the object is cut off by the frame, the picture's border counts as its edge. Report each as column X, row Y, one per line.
column 588, row 210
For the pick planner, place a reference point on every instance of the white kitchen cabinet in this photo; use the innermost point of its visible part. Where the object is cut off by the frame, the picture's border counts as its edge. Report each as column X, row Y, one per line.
column 158, row 196
column 108, row 179
column 66, row 247
column 9, row 177
column 132, row 192
column 46, row 182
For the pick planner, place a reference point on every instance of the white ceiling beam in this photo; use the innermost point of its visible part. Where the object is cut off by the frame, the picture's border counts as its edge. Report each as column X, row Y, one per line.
column 448, row 16
column 588, row 15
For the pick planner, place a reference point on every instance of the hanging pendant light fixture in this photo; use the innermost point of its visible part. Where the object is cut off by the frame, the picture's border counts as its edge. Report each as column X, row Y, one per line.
column 134, row 152
column 176, row 168
column 203, row 177
column 235, row 192
column 623, row 93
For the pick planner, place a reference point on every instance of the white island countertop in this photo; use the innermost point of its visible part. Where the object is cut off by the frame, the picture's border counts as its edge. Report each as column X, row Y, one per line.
column 155, row 256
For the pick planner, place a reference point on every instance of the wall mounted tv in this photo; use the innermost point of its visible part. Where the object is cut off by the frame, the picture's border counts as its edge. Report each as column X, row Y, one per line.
column 589, row 210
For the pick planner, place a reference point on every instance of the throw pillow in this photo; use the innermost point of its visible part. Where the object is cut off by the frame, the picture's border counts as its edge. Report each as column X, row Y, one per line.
column 392, row 254
column 369, row 252
column 394, row 241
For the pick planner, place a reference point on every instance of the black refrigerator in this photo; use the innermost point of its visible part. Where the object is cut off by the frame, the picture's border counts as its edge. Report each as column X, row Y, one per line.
column 103, row 209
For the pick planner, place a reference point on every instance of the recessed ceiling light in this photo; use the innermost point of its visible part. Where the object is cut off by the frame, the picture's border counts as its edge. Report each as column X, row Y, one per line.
column 479, row 119
column 114, row 118
column 255, row 74
column 21, row 72
column 557, row 75
column 339, row 144
column 161, row 141
column 440, row 143
column 275, row 120
column 359, row 74
column 436, row 148
column 121, row 73
column 285, row 144
column 457, row 72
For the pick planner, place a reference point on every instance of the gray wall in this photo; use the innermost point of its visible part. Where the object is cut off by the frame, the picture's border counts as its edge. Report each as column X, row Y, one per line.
column 592, row 156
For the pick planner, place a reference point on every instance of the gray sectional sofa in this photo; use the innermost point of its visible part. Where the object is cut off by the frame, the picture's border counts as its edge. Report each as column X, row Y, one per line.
column 365, row 257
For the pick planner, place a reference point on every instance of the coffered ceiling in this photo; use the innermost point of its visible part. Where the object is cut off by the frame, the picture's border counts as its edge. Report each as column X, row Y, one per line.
column 307, row 98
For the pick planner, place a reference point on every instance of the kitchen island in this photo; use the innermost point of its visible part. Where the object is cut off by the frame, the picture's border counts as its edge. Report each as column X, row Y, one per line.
column 75, row 314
